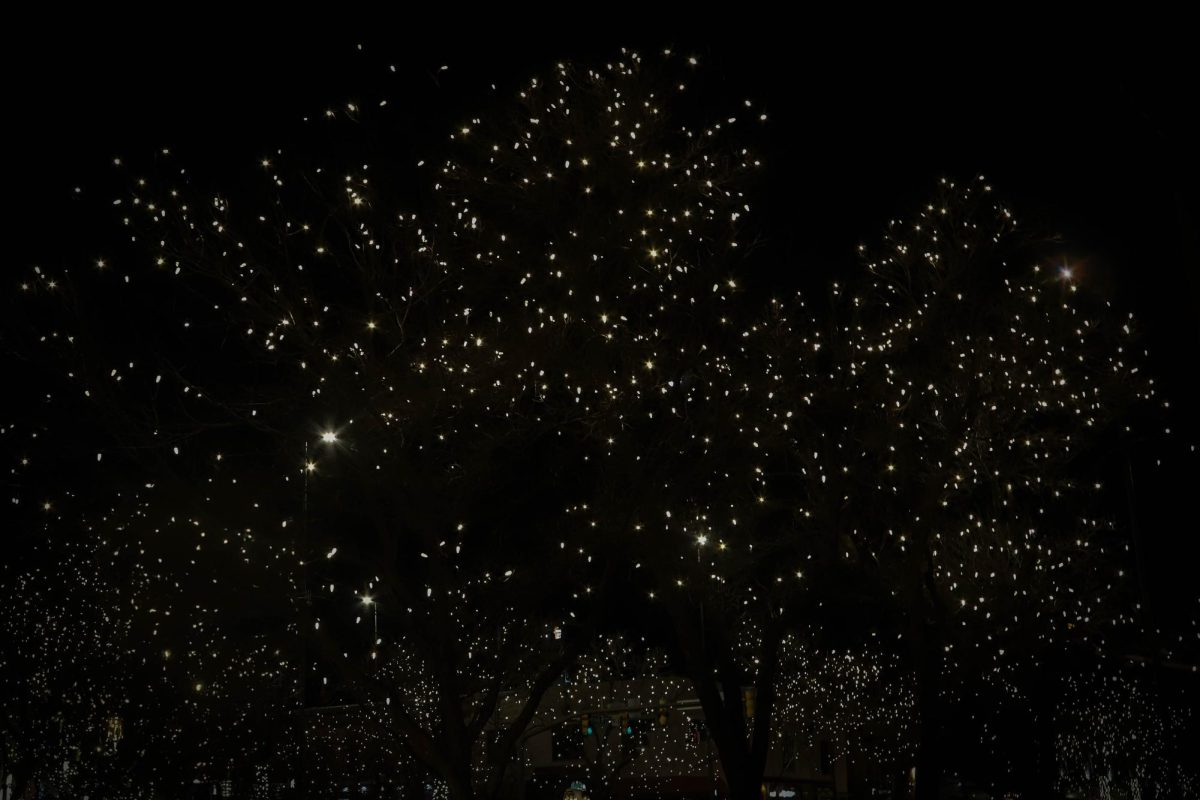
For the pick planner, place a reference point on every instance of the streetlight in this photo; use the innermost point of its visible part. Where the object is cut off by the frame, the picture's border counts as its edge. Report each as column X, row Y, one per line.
column 309, row 466
column 367, row 600
column 327, row 437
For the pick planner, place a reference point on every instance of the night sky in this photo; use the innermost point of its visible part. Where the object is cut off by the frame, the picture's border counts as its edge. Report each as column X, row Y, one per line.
column 1085, row 137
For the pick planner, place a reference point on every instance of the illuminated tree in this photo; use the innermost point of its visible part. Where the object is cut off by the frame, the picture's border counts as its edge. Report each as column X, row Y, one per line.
column 589, row 239
column 622, row 704
column 857, row 699
column 1119, row 735
column 113, row 681
column 976, row 395
column 448, row 417
column 163, row 597
column 64, row 663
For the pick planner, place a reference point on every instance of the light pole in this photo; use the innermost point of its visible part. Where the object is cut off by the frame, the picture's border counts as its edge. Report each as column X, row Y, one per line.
column 328, row 437
column 300, row 781
column 369, row 601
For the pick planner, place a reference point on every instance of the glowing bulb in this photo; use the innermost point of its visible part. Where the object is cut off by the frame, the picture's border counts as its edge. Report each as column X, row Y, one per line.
column 329, row 437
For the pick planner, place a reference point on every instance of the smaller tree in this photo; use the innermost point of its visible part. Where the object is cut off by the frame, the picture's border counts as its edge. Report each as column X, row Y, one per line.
column 976, row 396
column 611, row 700
column 856, row 698
column 1119, row 735
column 66, row 665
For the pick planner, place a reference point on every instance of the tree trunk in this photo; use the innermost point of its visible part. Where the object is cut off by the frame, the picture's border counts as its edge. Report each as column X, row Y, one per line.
column 599, row 789
column 459, row 785
column 742, row 751
column 743, row 784
column 21, row 775
column 928, row 643
column 1040, row 775
column 743, row 759
column 415, row 783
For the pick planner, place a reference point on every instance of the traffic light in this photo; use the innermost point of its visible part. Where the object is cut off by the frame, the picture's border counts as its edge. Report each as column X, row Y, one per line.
column 585, row 725
column 626, row 727
column 662, row 716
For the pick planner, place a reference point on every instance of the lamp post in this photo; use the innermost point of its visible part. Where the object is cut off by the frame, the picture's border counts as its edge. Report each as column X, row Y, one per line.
column 328, row 437
column 300, row 780
column 369, row 601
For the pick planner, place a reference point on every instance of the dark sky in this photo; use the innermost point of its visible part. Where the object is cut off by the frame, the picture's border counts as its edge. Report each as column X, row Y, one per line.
column 1084, row 134
column 1087, row 138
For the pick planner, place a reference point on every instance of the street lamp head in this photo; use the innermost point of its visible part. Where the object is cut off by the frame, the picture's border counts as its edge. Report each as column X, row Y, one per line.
column 329, row 437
